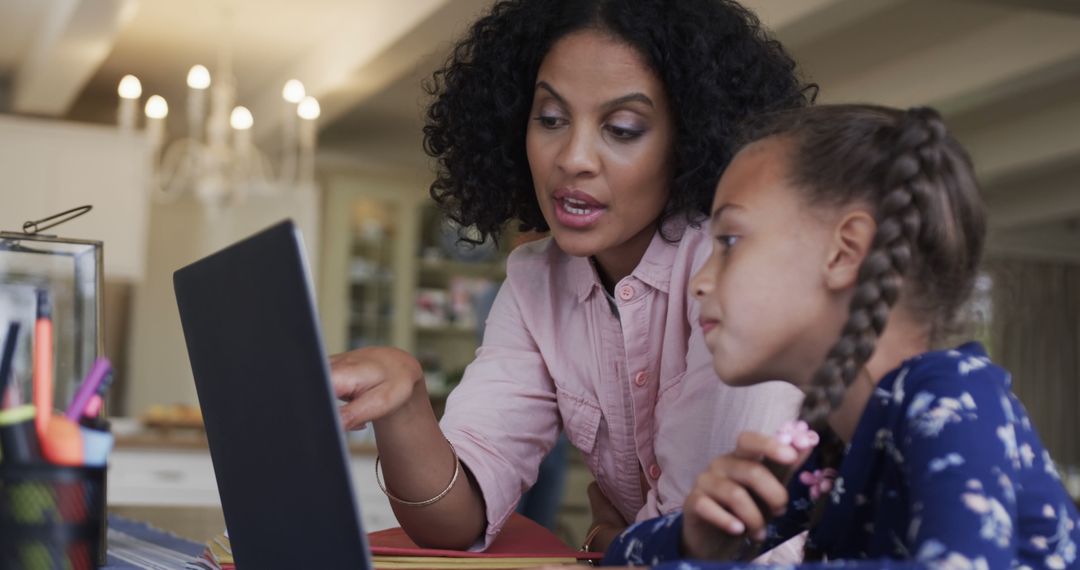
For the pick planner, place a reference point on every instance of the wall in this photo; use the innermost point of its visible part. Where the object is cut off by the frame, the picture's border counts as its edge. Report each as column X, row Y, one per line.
column 51, row 166
column 158, row 371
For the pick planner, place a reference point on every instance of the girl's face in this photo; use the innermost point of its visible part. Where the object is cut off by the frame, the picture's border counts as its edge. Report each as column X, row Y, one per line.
column 770, row 307
column 599, row 142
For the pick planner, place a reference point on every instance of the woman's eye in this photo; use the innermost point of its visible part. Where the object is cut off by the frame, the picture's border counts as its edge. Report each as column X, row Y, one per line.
column 549, row 121
column 624, row 133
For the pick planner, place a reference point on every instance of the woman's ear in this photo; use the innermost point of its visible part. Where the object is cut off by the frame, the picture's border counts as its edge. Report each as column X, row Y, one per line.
column 851, row 242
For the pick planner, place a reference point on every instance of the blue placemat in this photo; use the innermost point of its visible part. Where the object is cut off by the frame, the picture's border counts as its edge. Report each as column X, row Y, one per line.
column 134, row 544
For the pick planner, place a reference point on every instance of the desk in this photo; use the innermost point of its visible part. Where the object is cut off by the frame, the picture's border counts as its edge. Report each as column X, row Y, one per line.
column 168, row 480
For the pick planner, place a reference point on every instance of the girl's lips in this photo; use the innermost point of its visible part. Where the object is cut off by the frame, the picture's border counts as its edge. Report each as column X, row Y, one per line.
column 708, row 325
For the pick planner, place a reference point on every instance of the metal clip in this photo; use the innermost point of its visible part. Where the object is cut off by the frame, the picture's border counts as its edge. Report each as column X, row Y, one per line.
column 34, row 227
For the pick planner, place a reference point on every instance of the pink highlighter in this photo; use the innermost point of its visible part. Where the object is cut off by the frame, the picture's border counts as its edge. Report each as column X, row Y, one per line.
column 96, row 382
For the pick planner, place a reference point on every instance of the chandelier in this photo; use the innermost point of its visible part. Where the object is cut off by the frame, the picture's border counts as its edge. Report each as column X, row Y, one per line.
column 215, row 159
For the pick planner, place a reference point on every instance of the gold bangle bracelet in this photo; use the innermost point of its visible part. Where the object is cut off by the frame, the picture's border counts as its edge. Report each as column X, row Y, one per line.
column 382, row 486
column 595, row 530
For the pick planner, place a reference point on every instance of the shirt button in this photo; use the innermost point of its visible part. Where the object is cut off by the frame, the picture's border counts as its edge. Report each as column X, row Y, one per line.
column 654, row 471
column 626, row 293
column 641, row 378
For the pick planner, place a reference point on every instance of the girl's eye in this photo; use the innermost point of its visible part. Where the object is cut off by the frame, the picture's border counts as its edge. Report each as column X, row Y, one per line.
column 726, row 241
column 550, row 121
column 624, row 133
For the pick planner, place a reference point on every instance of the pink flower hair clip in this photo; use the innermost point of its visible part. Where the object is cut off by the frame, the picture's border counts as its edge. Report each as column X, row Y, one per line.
column 797, row 434
column 820, row 481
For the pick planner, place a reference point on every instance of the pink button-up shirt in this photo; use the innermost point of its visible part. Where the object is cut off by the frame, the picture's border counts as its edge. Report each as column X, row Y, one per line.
column 635, row 392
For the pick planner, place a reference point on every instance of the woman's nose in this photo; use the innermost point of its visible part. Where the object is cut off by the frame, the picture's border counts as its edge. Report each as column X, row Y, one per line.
column 578, row 155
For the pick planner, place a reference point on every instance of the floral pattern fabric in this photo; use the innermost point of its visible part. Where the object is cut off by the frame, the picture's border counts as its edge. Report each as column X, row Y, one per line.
column 944, row 471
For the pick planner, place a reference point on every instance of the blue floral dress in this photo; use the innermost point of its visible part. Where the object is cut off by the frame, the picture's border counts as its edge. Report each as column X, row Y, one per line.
column 944, row 471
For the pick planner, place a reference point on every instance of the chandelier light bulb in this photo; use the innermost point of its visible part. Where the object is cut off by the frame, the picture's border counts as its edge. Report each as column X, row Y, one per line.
column 130, row 87
column 198, row 77
column 241, row 119
column 308, row 108
column 293, row 91
column 157, row 107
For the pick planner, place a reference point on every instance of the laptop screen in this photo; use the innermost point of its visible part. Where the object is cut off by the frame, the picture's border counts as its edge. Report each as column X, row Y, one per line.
column 263, row 383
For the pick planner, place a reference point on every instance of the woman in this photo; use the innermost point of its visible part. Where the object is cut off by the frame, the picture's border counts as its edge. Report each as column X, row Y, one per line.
column 607, row 123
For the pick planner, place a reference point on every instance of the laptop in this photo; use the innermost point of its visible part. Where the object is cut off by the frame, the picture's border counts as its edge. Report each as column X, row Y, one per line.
column 271, row 418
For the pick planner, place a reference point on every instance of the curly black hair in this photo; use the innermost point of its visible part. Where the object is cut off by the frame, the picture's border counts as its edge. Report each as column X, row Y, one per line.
column 717, row 63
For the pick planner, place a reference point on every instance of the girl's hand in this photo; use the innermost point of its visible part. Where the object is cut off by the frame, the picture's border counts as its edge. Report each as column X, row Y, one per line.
column 735, row 497
column 374, row 383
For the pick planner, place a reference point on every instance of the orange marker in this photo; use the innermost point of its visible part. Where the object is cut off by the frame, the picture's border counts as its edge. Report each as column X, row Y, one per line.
column 43, row 364
column 62, row 443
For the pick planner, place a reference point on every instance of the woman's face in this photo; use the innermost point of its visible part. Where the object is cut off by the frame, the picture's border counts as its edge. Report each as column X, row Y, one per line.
column 599, row 142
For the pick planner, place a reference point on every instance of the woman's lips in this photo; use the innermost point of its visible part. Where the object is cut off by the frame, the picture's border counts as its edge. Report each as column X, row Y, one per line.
column 576, row 209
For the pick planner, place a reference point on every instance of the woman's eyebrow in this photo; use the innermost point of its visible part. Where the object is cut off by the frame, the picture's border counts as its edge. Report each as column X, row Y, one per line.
column 630, row 98
column 544, row 85
column 637, row 97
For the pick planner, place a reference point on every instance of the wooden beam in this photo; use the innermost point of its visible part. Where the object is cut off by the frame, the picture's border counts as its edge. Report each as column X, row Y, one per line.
column 1055, row 242
column 339, row 70
column 991, row 55
column 1065, row 7
column 76, row 37
column 5, row 94
column 1004, row 146
column 1044, row 195
column 808, row 21
column 1037, row 80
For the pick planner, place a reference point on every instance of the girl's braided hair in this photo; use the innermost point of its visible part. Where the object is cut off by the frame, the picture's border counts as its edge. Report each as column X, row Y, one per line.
column 931, row 222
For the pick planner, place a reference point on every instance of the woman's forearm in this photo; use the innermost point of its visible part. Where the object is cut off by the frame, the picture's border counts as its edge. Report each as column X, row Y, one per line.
column 418, row 464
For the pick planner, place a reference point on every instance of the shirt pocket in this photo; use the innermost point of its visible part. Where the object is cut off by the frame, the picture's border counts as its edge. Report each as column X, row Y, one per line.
column 581, row 421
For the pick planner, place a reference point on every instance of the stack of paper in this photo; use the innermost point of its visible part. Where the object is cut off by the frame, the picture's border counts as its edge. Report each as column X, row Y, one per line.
column 521, row 544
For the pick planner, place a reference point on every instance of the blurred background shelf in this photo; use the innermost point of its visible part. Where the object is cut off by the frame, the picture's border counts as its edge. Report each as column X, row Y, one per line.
column 403, row 277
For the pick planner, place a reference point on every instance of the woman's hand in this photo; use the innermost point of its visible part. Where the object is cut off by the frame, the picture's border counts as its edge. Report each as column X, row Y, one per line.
column 606, row 518
column 374, row 383
column 735, row 497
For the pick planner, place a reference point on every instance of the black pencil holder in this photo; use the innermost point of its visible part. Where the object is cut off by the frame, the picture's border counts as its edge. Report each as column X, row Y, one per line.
column 51, row 516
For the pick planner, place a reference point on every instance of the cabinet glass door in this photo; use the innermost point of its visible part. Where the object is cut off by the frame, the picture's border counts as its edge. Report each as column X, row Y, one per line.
column 371, row 272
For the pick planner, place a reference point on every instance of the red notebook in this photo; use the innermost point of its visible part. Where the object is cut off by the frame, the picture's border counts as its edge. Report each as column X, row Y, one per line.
column 520, row 538
column 521, row 544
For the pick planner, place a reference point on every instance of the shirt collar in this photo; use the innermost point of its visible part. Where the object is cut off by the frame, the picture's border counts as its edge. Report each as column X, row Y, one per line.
column 654, row 269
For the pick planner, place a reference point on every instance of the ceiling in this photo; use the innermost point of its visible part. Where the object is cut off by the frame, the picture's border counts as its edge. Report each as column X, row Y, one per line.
column 1005, row 72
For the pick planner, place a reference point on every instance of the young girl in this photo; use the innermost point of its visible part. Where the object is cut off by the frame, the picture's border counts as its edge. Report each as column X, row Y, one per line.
column 607, row 123
column 847, row 239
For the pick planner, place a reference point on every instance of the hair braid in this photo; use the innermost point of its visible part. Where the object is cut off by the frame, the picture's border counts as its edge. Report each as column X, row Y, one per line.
column 899, row 217
column 931, row 227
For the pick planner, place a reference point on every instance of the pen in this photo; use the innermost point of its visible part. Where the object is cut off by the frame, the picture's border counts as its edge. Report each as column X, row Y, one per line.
column 7, row 356
column 43, row 389
column 88, row 388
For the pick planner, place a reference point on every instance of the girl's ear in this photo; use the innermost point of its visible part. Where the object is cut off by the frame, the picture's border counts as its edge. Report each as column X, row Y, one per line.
column 851, row 242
